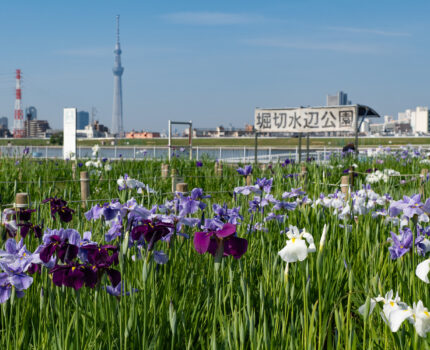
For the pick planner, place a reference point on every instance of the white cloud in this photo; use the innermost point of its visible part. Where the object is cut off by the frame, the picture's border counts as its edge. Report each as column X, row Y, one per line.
column 346, row 47
column 211, row 18
column 370, row 31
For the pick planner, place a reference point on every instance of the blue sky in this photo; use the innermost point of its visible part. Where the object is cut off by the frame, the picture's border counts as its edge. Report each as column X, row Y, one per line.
column 213, row 62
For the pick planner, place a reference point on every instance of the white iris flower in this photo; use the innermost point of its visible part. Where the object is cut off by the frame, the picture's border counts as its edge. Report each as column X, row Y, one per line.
column 298, row 246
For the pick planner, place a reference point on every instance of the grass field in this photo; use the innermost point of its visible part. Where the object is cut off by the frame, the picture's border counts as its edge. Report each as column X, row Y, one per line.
column 263, row 294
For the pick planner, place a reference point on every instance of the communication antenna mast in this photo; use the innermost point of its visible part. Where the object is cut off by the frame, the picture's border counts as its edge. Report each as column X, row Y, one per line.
column 18, row 119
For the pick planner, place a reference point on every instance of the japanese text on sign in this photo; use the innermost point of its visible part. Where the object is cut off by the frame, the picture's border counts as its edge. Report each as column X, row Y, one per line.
column 306, row 119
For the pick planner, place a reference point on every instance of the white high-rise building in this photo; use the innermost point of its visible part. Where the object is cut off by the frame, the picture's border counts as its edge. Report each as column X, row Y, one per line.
column 419, row 119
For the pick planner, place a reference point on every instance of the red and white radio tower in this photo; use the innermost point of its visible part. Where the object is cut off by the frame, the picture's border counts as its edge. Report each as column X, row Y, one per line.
column 18, row 120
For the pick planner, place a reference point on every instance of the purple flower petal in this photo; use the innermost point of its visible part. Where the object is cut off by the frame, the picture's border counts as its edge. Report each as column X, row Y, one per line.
column 201, row 242
column 235, row 246
column 226, row 231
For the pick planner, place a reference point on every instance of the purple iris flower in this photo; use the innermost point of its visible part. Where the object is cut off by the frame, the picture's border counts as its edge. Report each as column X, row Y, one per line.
column 285, row 206
column 74, row 276
column 9, row 279
column 59, row 206
column 197, row 193
column 287, row 161
column 225, row 214
column 29, row 227
column 80, row 164
column 26, row 150
column 152, row 231
column 16, row 257
column 224, row 239
column 272, row 216
column 118, row 290
column 188, row 205
column 64, row 242
column 401, row 244
column 409, row 206
column 108, row 210
column 247, row 170
column 295, row 192
column 115, row 230
column 199, row 164
column 264, row 184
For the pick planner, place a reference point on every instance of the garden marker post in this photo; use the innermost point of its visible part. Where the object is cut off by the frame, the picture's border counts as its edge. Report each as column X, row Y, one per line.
column 173, row 175
column 21, row 200
column 423, row 180
column 164, row 171
column 344, row 185
column 248, row 180
column 351, row 176
column 74, row 171
column 256, row 148
column 304, row 176
column 85, row 187
column 182, row 187
column 218, row 169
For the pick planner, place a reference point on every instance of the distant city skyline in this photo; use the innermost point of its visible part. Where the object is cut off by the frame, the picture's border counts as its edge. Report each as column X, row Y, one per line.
column 213, row 63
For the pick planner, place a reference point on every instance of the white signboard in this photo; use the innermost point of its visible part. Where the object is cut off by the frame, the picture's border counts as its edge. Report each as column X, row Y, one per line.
column 305, row 120
column 69, row 132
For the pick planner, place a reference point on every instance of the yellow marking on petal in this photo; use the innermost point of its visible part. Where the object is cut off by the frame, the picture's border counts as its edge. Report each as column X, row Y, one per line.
column 73, row 268
column 293, row 239
column 426, row 313
column 392, row 303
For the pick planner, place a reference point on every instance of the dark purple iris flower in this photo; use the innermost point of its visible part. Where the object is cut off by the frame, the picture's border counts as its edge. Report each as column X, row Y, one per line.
column 29, row 227
column 199, row 164
column 287, row 161
column 225, row 239
column 80, row 165
column 409, row 206
column 66, row 252
column 59, row 206
column 26, row 150
column 152, row 231
column 74, row 276
column 245, row 171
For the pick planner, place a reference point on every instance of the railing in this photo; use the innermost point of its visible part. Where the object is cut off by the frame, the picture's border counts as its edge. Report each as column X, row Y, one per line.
column 226, row 154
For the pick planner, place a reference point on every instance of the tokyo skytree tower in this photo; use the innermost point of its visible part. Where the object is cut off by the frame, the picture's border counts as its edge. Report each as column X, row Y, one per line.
column 117, row 121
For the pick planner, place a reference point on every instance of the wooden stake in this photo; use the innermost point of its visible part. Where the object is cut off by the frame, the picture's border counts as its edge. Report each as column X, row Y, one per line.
column 85, row 187
column 344, row 185
column 182, row 187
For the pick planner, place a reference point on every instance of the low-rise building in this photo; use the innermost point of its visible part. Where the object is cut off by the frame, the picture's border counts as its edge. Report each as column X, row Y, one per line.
column 142, row 135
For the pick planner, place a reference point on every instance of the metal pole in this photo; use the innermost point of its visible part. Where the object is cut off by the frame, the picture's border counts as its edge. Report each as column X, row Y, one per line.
column 356, row 132
column 270, row 154
column 190, row 139
column 197, row 153
column 134, row 152
column 244, row 154
column 256, row 148
column 300, row 147
column 220, row 153
column 154, row 152
column 169, row 142
column 307, row 147
column 46, row 152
